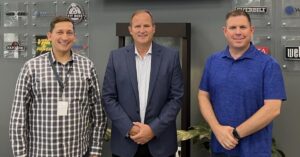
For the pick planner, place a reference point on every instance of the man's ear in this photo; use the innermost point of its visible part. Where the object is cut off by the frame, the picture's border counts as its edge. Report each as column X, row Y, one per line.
column 49, row 34
column 224, row 30
column 252, row 29
column 129, row 29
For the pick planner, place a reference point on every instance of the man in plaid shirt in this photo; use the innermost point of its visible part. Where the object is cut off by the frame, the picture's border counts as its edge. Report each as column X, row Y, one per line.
column 57, row 109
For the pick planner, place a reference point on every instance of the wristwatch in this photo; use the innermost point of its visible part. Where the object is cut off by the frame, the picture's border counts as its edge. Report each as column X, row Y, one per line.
column 236, row 134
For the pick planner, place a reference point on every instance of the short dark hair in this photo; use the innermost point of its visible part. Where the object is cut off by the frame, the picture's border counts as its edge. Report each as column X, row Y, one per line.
column 238, row 12
column 60, row 19
column 141, row 11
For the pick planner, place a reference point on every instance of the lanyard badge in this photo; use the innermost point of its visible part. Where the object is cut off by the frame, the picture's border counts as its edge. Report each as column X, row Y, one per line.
column 62, row 103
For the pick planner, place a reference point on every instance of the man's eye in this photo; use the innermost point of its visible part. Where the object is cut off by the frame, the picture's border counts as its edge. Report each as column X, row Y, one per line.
column 70, row 33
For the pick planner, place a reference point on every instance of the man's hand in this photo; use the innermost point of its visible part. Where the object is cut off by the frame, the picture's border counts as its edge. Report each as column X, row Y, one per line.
column 134, row 130
column 225, row 136
column 144, row 135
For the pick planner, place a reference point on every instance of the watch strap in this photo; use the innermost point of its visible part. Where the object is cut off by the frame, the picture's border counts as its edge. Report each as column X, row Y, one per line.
column 236, row 134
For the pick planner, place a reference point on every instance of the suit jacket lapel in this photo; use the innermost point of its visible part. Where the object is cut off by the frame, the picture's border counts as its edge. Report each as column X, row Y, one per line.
column 131, row 65
column 155, row 64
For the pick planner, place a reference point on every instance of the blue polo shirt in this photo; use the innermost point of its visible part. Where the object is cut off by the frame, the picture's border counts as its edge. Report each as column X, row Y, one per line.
column 237, row 89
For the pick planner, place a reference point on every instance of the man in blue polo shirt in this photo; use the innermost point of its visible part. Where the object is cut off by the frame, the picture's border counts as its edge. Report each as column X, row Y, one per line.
column 240, row 93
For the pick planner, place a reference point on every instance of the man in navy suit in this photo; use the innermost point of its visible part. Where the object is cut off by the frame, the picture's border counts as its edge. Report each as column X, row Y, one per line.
column 142, row 93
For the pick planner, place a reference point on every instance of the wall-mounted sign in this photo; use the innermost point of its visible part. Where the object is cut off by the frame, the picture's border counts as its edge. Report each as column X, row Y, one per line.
column 40, row 13
column 292, row 53
column 43, row 45
column 291, row 10
column 15, row 18
column 260, row 11
column 14, row 46
column 253, row 10
column 15, row 14
column 76, row 13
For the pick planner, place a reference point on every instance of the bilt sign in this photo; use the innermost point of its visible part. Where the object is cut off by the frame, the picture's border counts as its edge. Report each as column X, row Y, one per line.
column 254, row 10
column 292, row 53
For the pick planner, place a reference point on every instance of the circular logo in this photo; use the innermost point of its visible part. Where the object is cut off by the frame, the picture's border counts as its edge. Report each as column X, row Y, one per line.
column 289, row 10
column 75, row 13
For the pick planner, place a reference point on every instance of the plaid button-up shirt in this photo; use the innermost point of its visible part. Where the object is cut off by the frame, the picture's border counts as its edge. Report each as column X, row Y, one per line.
column 36, row 128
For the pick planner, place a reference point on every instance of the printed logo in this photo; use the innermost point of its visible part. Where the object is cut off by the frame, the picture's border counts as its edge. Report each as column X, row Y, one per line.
column 43, row 45
column 15, row 46
column 290, row 10
column 42, row 14
column 292, row 53
column 75, row 13
column 261, row 10
column 16, row 13
column 263, row 49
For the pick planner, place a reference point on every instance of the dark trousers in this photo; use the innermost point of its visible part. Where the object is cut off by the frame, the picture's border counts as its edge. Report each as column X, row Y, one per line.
column 222, row 155
column 143, row 151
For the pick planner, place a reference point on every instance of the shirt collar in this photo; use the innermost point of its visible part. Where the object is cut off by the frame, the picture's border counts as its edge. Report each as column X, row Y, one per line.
column 248, row 54
column 147, row 53
column 72, row 57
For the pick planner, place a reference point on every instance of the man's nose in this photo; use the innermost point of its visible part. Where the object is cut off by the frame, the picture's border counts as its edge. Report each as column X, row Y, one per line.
column 65, row 35
column 142, row 29
column 238, row 31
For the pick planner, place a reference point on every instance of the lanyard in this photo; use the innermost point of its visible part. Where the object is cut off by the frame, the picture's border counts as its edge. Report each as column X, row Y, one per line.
column 60, row 82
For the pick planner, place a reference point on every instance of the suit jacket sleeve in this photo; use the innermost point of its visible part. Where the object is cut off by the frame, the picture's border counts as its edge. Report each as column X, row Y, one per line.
column 170, row 110
column 110, row 99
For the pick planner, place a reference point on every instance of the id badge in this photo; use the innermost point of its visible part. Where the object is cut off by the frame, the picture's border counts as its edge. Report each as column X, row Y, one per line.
column 62, row 108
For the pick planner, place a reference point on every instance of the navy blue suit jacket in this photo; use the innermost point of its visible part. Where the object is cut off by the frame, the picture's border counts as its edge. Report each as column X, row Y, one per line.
column 121, row 99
